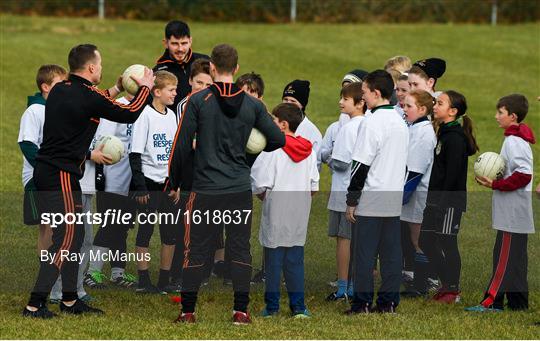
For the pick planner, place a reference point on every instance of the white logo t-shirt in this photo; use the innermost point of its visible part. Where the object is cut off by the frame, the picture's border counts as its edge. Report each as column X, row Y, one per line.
column 153, row 136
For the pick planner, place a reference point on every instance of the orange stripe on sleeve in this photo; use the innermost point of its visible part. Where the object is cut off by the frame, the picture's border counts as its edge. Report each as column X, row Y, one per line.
column 135, row 105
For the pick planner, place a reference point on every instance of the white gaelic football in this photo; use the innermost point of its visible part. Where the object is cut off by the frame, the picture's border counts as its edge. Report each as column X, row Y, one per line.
column 135, row 70
column 490, row 165
column 256, row 142
column 113, row 147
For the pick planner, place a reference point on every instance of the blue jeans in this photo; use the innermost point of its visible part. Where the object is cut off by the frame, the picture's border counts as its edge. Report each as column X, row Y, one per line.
column 369, row 235
column 290, row 260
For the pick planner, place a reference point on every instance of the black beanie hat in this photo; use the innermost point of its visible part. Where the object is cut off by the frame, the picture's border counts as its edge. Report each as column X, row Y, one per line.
column 299, row 90
column 433, row 67
column 354, row 76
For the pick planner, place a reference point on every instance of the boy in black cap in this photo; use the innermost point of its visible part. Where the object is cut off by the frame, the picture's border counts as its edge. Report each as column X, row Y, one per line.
column 297, row 92
column 424, row 73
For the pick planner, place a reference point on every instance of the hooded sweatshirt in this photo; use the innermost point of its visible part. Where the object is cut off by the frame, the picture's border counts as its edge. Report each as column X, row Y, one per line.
column 448, row 181
column 517, row 179
column 297, row 148
column 512, row 200
column 222, row 116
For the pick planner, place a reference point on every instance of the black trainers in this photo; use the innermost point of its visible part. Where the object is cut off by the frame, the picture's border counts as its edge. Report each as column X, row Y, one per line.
column 334, row 297
column 176, row 283
column 219, row 269
column 78, row 308
column 43, row 313
column 205, row 281
column 259, row 277
column 386, row 308
column 168, row 289
column 364, row 310
column 147, row 289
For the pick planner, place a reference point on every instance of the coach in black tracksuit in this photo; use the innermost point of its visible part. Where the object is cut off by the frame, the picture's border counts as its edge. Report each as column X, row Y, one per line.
column 72, row 115
column 222, row 116
column 178, row 57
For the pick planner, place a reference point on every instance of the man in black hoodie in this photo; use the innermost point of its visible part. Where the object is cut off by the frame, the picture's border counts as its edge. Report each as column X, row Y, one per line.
column 222, row 116
column 178, row 57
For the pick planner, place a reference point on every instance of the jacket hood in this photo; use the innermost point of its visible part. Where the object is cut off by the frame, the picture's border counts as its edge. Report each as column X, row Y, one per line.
column 456, row 128
column 229, row 97
column 521, row 130
column 36, row 99
column 297, row 147
column 166, row 58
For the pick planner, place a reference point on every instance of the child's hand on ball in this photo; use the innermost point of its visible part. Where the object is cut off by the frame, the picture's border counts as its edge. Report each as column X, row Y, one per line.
column 98, row 157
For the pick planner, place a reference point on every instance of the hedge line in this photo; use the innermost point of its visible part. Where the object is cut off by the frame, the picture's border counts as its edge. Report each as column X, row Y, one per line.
column 334, row 11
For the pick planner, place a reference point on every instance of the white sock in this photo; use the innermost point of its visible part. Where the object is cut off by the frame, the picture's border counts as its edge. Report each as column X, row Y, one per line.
column 96, row 261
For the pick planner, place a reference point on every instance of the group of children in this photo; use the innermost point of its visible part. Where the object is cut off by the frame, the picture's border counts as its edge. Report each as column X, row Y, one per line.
column 398, row 154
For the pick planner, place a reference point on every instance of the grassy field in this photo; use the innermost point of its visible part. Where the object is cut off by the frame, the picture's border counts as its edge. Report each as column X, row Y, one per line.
column 483, row 62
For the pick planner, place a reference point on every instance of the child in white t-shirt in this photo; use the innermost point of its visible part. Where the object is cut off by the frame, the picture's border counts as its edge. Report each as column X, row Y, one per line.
column 153, row 136
column 30, row 138
column 418, row 106
column 285, row 180
column 112, row 189
column 512, row 210
column 374, row 197
column 353, row 105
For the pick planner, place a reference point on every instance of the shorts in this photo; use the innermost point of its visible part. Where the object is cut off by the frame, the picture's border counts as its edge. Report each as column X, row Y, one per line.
column 338, row 225
column 442, row 220
column 30, row 205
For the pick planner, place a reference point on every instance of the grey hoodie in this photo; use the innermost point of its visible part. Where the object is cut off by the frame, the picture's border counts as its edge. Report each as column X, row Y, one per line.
column 222, row 117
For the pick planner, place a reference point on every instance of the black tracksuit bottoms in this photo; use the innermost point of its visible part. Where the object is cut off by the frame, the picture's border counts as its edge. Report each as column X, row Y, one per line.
column 509, row 272
column 208, row 215
column 59, row 193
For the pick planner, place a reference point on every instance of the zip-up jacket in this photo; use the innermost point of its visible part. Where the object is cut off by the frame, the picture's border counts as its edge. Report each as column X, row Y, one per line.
column 181, row 70
column 222, row 116
column 448, row 181
column 72, row 115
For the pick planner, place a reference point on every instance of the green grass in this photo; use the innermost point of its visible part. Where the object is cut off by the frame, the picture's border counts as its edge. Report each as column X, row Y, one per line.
column 483, row 62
